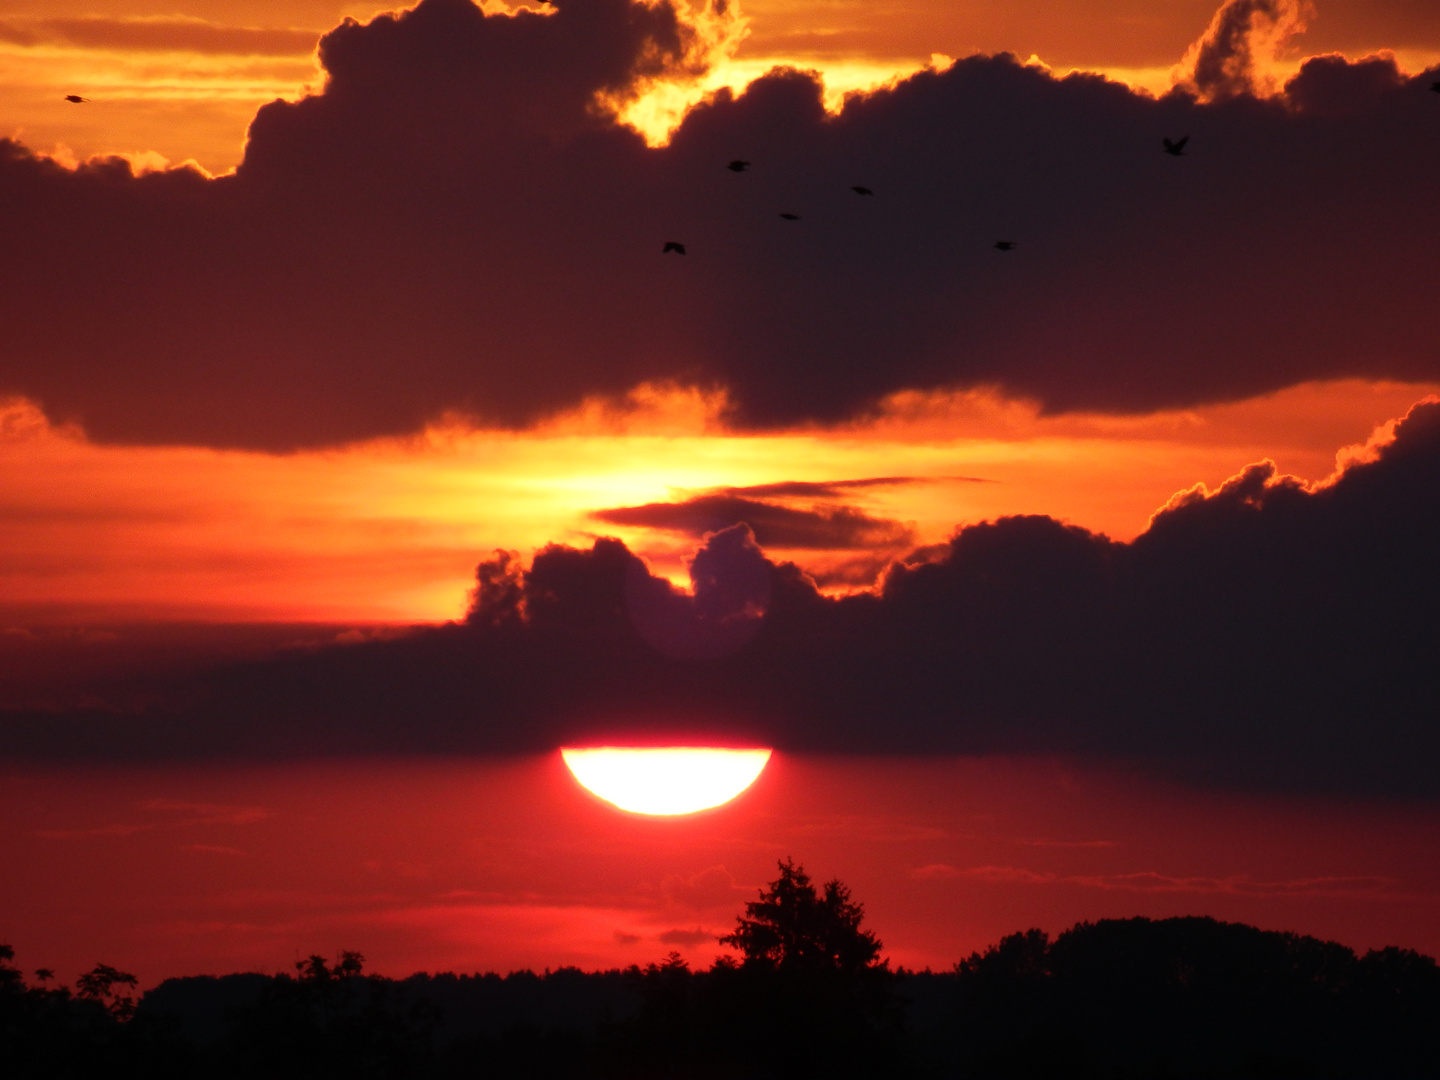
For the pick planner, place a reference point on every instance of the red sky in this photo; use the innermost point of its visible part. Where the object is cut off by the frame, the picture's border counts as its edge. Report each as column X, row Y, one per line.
column 274, row 404
column 500, row 865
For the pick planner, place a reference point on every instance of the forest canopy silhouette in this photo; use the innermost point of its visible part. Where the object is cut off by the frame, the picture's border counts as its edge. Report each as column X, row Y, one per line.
column 809, row 995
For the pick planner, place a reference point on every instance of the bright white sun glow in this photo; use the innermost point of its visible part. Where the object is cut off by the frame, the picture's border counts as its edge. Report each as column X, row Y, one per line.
column 665, row 780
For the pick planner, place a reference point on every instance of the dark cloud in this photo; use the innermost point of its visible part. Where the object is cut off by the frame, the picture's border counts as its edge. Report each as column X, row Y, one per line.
column 454, row 224
column 1265, row 635
column 836, row 528
column 1332, row 86
column 833, row 489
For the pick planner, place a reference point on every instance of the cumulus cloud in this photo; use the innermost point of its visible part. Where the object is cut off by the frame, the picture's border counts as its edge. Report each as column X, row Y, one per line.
column 1238, row 51
column 457, row 224
column 1265, row 634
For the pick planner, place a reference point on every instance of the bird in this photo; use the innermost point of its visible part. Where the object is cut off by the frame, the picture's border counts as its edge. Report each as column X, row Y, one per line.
column 1435, row 86
column 75, row 99
column 860, row 189
column 673, row 245
column 791, row 217
column 738, row 166
column 1004, row 245
column 1176, row 148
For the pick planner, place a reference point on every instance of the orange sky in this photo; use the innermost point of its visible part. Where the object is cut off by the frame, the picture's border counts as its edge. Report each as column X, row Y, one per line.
column 392, row 529
column 181, row 78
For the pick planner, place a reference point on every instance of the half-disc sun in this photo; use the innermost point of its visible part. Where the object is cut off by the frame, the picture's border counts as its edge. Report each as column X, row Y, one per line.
column 665, row 780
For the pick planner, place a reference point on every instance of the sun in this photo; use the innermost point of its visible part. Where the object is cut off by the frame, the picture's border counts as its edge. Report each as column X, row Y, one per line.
column 665, row 780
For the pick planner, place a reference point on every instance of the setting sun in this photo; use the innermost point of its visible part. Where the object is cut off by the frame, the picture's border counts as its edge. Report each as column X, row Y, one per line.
column 665, row 780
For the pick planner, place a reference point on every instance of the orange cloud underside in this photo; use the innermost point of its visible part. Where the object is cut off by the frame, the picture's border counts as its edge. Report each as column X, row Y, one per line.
column 391, row 530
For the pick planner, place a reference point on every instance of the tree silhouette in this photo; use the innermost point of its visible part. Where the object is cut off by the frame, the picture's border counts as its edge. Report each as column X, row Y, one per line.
column 810, row 996
column 98, row 985
column 794, row 928
column 314, row 971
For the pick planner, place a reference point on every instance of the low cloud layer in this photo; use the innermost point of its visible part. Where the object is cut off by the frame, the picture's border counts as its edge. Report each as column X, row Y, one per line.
column 1265, row 635
column 456, row 225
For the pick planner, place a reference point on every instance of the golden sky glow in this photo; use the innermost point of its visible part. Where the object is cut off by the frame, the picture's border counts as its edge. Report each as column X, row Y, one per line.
column 665, row 781
column 392, row 529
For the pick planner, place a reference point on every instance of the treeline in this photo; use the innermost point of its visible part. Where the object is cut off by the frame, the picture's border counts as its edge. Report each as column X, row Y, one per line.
column 809, row 997
column 1123, row 998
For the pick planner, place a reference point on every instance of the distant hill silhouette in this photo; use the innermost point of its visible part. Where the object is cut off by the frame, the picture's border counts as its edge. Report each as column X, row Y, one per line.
column 810, row 997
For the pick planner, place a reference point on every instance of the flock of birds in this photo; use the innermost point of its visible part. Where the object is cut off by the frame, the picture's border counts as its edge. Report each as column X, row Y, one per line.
column 1173, row 147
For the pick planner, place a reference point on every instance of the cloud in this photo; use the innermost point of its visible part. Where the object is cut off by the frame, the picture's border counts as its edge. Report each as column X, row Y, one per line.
column 456, row 225
column 574, row 591
column 687, row 938
column 1266, row 634
column 1150, row 881
column 207, row 813
column 774, row 526
column 212, row 849
column 1237, row 53
column 708, row 890
column 834, row 489
column 1332, row 86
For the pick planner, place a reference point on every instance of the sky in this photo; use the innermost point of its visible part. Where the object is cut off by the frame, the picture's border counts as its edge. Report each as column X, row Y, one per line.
column 1040, row 425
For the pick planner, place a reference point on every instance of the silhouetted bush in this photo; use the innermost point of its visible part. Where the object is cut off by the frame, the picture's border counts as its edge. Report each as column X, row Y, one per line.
column 57, row 1034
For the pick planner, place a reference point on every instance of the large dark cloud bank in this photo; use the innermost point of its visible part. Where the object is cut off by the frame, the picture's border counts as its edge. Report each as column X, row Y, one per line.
column 453, row 224
column 1263, row 635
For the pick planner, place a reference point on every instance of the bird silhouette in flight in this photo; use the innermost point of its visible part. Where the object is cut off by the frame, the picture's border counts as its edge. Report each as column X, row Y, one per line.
column 738, row 166
column 1176, row 148
column 1004, row 245
column 673, row 245
column 791, row 217
column 860, row 189
column 75, row 99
